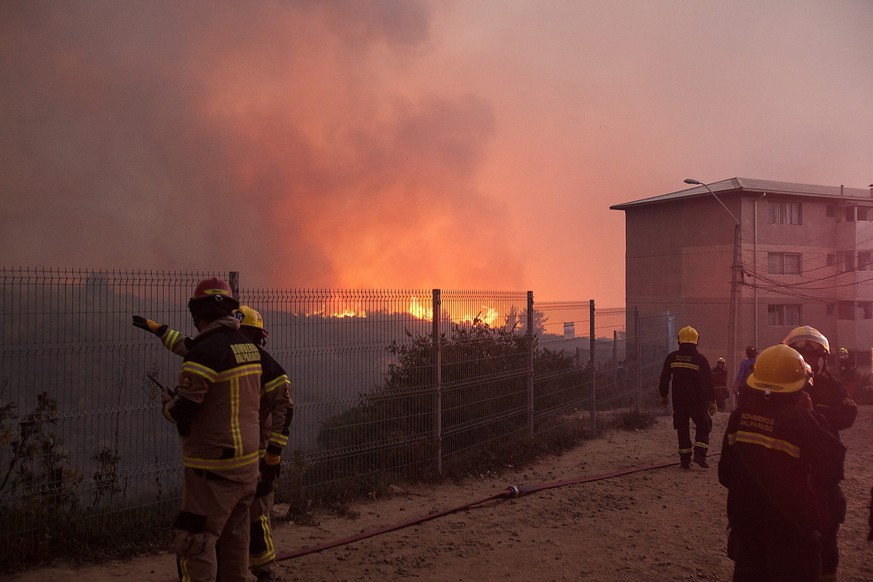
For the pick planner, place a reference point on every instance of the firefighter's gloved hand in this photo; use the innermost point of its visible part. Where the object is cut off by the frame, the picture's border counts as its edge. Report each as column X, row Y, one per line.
column 664, row 401
column 712, row 408
column 270, row 465
column 148, row 325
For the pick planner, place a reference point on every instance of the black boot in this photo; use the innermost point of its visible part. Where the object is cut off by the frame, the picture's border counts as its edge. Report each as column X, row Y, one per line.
column 685, row 461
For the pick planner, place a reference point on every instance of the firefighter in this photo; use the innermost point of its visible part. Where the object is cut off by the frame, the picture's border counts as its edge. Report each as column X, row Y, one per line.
column 719, row 384
column 829, row 395
column 215, row 409
column 832, row 402
column 691, row 378
column 276, row 410
column 777, row 459
column 848, row 372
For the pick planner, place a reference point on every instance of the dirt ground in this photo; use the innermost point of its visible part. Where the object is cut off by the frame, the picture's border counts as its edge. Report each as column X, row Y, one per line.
column 657, row 524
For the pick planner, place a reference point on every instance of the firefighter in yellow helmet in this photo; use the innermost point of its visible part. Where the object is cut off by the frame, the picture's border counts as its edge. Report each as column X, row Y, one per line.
column 215, row 409
column 832, row 402
column 276, row 410
column 687, row 372
column 777, row 460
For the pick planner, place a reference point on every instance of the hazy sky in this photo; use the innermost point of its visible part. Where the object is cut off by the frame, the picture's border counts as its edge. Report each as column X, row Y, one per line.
column 472, row 144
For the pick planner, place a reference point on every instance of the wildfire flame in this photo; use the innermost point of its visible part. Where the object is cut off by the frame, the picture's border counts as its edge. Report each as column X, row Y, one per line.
column 487, row 315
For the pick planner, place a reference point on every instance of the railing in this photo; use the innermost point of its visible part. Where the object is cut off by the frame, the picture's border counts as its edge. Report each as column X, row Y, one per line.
column 84, row 448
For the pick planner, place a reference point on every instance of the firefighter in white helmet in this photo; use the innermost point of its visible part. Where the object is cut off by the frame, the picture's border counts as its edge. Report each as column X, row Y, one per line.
column 831, row 400
column 777, row 461
column 687, row 371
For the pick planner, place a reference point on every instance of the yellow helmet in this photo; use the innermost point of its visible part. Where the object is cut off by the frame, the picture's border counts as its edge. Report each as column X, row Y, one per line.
column 250, row 318
column 805, row 338
column 688, row 335
column 779, row 369
column 720, row 360
column 844, row 354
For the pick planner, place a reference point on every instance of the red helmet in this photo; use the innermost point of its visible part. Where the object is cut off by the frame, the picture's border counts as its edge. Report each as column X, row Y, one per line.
column 212, row 286
column 212, row 298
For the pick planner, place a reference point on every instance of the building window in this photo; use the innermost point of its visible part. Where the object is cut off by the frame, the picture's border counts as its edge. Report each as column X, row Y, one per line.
column 783, row 263
column 865, row 261
column 845, row 261
column 831, row 259
column 783, row 314
column 865, row 213
column 850, row 214
column 785, row 213
column 865, row 310
column 846, row 310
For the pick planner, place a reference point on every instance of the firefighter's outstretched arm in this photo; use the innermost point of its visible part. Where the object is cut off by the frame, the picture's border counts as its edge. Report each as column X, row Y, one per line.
column 172, row 339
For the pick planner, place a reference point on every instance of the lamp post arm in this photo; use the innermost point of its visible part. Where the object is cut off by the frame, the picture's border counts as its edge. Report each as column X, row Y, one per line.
column 705, row 185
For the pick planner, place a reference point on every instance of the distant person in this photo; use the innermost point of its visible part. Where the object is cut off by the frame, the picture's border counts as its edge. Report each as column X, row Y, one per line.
column 688, row 373
column 719, row 384
column 848, row 373
column 276, row 410
column 215, row 410
column 743, row 371
column 832, row 402
column 777, row 461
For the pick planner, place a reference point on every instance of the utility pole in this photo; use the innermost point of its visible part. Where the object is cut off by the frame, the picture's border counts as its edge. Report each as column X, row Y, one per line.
column 736, row 270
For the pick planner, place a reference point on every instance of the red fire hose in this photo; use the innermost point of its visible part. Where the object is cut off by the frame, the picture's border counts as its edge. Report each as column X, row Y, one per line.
column 511, row 491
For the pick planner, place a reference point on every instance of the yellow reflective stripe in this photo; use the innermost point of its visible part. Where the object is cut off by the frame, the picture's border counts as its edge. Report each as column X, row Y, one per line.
column 171, row 336
column 753, row 438
column 269, row 554
column 239, row 372
column 701, row 445
column 199, row 370
column 686, row 450
column 684, row 365
column 183, row 566
column 276, row 383
column 278, row 438
column 235, row 431
column 220, row 464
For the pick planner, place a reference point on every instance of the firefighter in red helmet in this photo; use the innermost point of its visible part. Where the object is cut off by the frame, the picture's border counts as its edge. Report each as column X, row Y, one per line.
column 275, row 412
column 215, row 409
column 777, row 461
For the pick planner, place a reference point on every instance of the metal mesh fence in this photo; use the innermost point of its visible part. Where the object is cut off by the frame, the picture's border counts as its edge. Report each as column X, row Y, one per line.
column 84, row 447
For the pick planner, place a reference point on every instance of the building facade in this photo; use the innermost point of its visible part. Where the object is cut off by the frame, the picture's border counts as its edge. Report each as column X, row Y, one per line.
column 792, row 254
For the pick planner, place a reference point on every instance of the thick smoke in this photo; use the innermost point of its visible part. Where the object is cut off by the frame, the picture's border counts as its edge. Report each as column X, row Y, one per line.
column 275, row 138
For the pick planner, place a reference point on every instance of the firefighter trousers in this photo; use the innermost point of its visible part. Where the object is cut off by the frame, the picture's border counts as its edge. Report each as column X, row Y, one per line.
column 262, row 552
column 214, row 509
column 702, row 427
column 765, row 556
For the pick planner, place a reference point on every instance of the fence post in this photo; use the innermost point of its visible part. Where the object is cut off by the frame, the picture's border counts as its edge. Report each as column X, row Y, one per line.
column 233, row 281
column 438, row 380
column 591, row 368
column 530, row 363
column 638, row 357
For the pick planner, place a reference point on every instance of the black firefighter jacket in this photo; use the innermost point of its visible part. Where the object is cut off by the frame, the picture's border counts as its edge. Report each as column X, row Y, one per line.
column 691, row 378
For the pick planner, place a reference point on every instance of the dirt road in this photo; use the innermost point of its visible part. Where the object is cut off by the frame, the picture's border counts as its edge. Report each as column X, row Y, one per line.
column 659, row 524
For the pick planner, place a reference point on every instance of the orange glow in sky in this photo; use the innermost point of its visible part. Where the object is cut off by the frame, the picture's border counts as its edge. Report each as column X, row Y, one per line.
column 404, row 144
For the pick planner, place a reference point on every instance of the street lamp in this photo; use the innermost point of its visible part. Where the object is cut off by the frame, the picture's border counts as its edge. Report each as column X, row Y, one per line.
column 735, row 269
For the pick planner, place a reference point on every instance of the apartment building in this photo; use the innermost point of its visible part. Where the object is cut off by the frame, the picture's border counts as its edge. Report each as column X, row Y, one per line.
column 792, row 254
